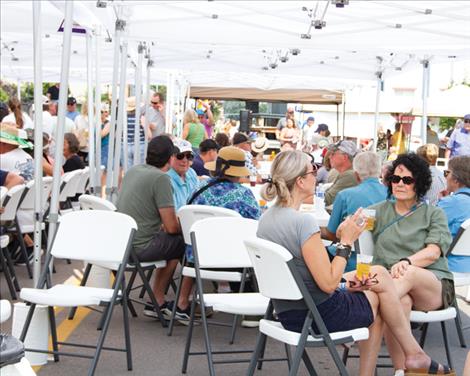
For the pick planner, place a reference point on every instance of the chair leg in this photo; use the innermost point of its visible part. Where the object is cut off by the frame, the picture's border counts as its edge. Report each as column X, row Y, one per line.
column 8, row 276
column 446, row 343
column 296, row 361
column 205, row 327
column 173, row 311
column 125, row 317
column 52, row 322
column 424, row 331
column 263, row 349
column 308, row 364
column 27, row 322
column 189, row 335
column 11, row 268
column 148, row 277
column 346, row 349
column 334, row 354
column 458, row 325
column 256, row 354
column 86, row 274
column 128, row 291
column 288, row 355
column 23, row 249
column 236, row 321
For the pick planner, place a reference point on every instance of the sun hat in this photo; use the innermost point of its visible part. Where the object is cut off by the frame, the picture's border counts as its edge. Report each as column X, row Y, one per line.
column 11, row 135
column 130, row 103
column 345, row 146
column 230, row 161
column 182, row 145
column 259, row 145
column 240, row 138
column 200, row 112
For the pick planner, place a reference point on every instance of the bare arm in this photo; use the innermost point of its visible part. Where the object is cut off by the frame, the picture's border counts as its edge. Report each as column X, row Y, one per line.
column 210, row 116
column 447, row 153
column 185, row 131
column 105, row 130
column 422, row 258
column 326, row 234
column 170, row 221
column 12, row 180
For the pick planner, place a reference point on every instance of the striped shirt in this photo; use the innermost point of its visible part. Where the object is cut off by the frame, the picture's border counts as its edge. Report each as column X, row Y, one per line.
column 130, row 130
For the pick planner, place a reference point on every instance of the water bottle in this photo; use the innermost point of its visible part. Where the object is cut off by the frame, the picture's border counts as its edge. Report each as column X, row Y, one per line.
column 319, row 198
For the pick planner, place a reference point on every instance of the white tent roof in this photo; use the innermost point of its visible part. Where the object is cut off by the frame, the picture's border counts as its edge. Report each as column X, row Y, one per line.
column 227, row 43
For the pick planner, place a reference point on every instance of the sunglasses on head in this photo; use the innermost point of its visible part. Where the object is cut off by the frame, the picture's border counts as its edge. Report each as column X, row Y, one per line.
column 189, row 156
column 395, row 179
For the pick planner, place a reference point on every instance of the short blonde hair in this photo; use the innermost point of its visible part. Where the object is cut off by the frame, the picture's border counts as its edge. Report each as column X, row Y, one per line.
column 190, row 116
column 429, row 152
column 286, row 168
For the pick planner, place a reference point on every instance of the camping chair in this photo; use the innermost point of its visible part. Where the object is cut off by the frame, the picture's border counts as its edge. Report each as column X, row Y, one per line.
column 106, row 237
column 8, row 218
column 187, row 216
column 218, row 244
column 366, row 246
column 89, row 202
column 278, row 278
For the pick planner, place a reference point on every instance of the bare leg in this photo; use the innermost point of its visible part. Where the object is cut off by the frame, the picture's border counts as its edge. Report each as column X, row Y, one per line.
column 369, row 349
column 162, row 279
column 186, row 287
column 396, row 353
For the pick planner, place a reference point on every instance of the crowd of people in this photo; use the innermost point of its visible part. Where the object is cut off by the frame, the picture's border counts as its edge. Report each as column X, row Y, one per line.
column 419, row 210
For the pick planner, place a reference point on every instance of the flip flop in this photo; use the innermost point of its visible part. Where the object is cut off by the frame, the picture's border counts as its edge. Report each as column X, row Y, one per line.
column 432, row 370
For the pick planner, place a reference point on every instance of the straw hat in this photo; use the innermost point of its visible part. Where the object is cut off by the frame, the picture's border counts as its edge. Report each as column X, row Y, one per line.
column 260, row 145
column 230, row 161
column 130, row 102
column 11, row 135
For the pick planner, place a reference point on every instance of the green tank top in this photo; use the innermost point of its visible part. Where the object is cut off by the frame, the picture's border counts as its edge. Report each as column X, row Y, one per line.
column 195, row 134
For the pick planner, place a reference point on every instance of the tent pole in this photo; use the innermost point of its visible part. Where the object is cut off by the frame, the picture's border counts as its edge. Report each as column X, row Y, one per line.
column 38, row 186
column 59, row 131
column 121, row 123
column 146, row 104
column 91, row 136
column 343, row 110
column 377, row 106
column 119, row 28
column 97, row 187
column 18, row 89
column 337, row 118
column 168, row 104
column 425, row 94
column 138, row 99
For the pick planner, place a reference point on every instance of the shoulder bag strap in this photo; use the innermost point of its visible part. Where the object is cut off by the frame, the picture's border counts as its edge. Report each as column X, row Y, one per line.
column 207, row 186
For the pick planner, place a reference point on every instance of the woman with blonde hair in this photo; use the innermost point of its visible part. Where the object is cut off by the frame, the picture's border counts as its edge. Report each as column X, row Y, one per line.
column 370, row 302
column 193, row 129
column 81, row 131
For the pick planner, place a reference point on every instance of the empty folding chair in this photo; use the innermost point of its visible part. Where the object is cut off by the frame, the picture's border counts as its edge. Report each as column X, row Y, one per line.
column 218, row 244
column 187, row 216
column 278, row 278
column 108, row 238
column 461, row 247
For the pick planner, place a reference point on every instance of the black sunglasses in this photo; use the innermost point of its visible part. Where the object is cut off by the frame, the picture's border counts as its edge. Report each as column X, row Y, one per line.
column 466, row 121
column 189, row 156
column 154, row 102
column 395, row 179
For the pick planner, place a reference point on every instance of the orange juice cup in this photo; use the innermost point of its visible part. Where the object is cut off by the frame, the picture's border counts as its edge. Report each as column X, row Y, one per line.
column 369, row 216
column 363, row 266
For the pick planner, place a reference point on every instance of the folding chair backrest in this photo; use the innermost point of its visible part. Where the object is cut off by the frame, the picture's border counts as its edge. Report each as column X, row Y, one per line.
column 93, row 235
column 3, row 192
column 83, row 180
column 69, row 184
column 219, row 241
column 28, row 200
column 366, row 243
column 461, row 244
column 11, row 201
column 275, row 279
column 189, row 214
column 89, row 202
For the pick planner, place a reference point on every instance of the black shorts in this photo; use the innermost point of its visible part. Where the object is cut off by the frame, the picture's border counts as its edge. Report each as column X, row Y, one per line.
column 163, row 246
column 448, row 293
column 342, row 311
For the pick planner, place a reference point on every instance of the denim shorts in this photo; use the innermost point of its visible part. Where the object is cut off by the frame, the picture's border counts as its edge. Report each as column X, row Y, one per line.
column 342, row 311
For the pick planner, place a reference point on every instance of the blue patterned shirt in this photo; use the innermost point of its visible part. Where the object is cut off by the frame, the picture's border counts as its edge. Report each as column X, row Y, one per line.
column 231, row 196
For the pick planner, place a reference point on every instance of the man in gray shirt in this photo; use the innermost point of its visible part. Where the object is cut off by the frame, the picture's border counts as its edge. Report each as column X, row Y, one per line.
column 156, row 115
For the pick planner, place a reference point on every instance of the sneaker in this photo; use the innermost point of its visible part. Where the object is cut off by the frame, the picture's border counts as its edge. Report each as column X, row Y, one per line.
column 181, row 315
column 149, row 310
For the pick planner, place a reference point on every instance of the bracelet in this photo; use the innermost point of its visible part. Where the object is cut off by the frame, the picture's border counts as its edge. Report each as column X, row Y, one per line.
column 406, row 259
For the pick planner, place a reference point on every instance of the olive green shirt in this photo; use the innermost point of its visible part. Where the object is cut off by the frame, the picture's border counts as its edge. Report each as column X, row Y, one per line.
column 344, row 180
column 426, row 225
column 144, row 190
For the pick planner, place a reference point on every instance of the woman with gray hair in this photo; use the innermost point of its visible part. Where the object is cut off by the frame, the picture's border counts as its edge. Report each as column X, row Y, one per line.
column 343, row 306
column 367, row 169
column 429, row 153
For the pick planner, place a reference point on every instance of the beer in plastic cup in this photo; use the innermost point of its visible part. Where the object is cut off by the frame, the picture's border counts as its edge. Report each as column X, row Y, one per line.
column 369, row 216
column 363, row 266
column 252, row 180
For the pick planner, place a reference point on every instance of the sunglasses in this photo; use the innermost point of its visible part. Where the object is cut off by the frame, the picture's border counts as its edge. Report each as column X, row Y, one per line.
column 466, row 121
column 154, row 102
column 395, row 179
column 371, row 281
column 189, row 156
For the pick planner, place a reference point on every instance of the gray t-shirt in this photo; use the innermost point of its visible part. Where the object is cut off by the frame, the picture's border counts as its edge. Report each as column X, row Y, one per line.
column 145, row 189
column 291, row 229
column 155, row 117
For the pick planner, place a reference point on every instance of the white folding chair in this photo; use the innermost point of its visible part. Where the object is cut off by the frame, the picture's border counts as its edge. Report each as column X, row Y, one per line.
column 187, row 216
column 89, row 202
column 218, row 244
column 81, row 185
column 461, row 247
column 68, row 189
column 108, row 238
column 278, row 278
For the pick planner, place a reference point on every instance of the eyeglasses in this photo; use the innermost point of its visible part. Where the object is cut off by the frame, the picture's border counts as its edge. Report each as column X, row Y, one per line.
column 408, row 180
column 104, row 112
column 189, row 156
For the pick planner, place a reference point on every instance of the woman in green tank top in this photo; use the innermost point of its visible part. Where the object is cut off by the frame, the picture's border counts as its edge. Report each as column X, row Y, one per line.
column 193, row 130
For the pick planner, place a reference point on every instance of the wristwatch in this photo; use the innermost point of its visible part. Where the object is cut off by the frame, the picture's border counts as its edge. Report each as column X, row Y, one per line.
column 343, row 250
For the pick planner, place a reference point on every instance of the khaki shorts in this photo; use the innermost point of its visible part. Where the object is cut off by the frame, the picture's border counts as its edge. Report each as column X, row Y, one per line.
column 448, row 293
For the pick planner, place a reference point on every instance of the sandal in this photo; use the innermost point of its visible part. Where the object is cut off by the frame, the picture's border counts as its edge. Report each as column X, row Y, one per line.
column 433, row 370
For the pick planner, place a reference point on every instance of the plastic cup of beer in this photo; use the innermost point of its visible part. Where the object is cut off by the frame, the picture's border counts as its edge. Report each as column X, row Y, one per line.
column 363, row 266
column 252, row 180
column 369, row 216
